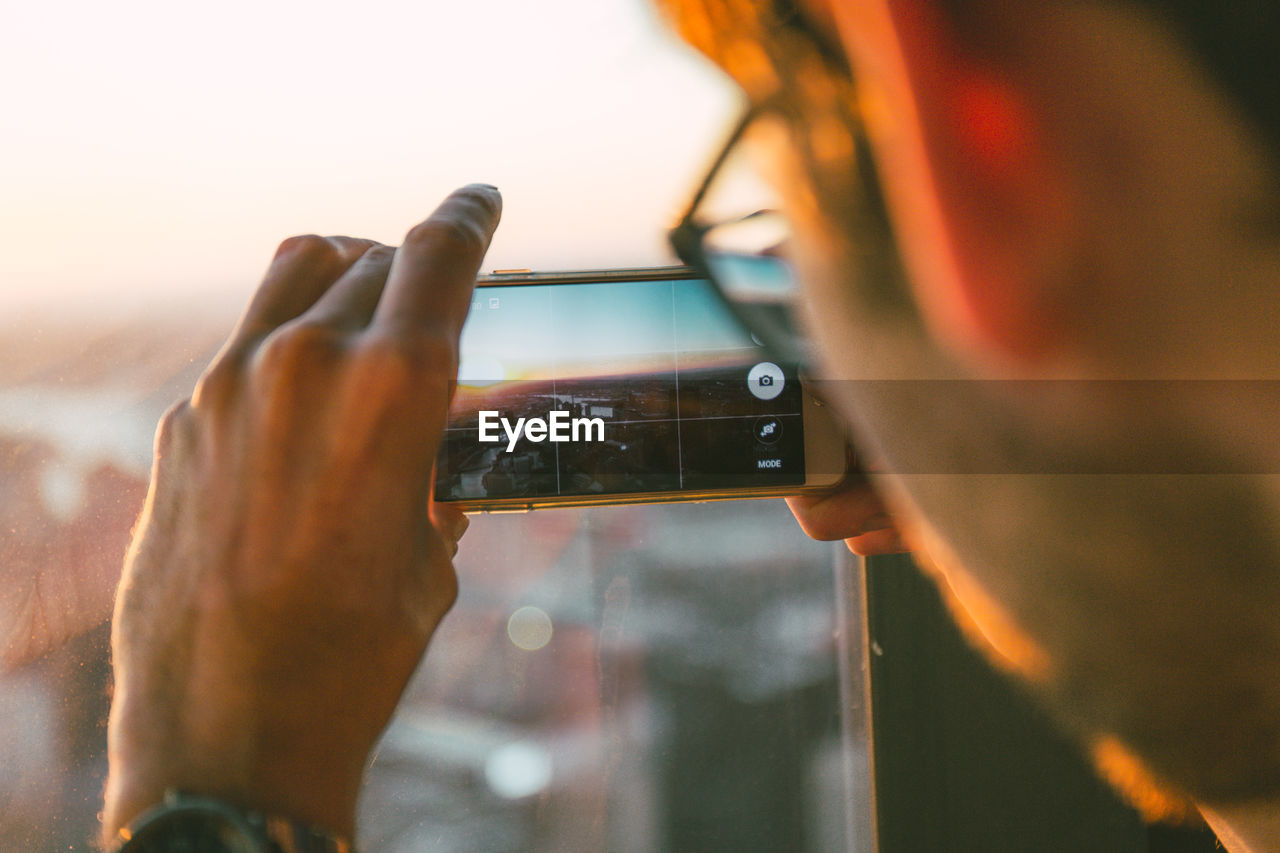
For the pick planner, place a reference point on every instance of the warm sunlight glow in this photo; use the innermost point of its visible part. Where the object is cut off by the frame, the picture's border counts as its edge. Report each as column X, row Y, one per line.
column 481, row 372
column 155, row 149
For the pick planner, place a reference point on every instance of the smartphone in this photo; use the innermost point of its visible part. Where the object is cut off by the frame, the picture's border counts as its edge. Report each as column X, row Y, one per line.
column 623, row 386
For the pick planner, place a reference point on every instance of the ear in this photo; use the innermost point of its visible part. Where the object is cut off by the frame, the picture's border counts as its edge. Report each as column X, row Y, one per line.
column 980, row 204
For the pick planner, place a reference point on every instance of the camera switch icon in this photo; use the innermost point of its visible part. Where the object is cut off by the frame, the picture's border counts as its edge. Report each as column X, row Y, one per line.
column 765, row 381
column 768, row 429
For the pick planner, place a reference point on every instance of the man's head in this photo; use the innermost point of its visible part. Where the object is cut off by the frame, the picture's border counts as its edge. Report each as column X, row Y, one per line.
column 1068, row 193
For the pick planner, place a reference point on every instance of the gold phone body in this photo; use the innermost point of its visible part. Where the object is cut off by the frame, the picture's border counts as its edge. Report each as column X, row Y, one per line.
column 824, row 445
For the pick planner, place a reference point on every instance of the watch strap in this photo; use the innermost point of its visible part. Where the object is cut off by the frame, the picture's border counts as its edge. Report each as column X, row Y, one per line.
column 291, row 836
column 265, row 833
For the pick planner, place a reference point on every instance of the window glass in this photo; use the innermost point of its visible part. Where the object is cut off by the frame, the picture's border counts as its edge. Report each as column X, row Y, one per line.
column 630, row 678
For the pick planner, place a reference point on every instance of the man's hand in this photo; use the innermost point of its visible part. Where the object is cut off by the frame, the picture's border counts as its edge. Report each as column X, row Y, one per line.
column 852, row 512
column 289, row 567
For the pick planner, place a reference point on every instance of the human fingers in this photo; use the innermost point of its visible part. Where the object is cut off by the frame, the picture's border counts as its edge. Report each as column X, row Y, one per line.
column 301, row 271
column 850, row 511
column 886, row 540
column 351, row 301
column 853, row 514
column 429, row 286
column 451, row 522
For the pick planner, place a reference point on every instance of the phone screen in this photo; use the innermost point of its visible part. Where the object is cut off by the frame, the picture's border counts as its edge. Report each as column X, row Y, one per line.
column 614, row 387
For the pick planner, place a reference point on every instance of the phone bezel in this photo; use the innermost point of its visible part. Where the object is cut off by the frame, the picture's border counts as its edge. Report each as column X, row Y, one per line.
column 825, row 444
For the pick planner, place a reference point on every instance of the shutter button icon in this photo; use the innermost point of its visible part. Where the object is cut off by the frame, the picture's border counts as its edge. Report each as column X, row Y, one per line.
column 766, row 381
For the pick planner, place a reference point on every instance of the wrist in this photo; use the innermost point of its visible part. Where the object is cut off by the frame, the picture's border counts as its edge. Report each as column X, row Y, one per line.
column 271, row 775
column 185, row 821
column 129, row 798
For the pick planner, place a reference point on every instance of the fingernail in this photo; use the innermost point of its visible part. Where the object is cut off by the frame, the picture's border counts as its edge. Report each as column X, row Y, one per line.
column 478, row 186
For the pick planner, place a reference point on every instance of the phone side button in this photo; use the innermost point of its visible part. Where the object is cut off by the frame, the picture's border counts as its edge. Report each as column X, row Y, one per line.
column 514, row 510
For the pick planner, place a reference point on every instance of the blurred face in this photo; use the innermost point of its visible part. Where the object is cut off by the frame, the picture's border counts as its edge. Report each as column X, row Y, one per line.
column 811, row 144
column 1023, row 494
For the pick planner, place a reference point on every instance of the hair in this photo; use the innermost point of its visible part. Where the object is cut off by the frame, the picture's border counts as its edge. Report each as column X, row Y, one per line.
column 1238, row 40
column 1235, row 39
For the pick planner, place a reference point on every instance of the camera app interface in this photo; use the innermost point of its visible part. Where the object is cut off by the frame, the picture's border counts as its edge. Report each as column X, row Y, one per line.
column 615, row 387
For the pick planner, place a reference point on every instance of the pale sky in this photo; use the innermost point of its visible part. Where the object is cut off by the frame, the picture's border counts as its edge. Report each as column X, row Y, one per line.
column 157, row 151
column 592, row 329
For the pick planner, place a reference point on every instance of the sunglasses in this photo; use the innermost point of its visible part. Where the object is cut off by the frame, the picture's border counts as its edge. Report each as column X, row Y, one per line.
column 741, row 248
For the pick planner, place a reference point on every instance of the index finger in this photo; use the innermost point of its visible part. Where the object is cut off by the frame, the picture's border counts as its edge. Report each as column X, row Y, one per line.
column 431, row 278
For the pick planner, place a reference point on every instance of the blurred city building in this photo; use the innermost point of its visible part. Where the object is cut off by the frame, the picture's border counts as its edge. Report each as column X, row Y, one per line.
column 627, row 679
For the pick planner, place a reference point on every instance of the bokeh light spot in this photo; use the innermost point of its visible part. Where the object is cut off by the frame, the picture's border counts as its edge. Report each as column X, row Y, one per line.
column 519, row 769
column 529, row 628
